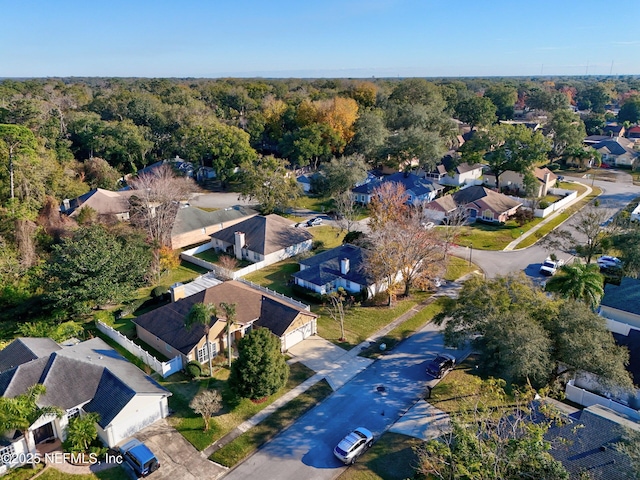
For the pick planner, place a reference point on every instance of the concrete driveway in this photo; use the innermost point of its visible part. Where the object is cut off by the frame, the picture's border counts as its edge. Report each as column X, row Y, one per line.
column 336, row 364
column 178, row 458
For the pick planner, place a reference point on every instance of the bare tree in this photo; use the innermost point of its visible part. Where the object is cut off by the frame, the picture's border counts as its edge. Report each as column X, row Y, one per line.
column 593, row 236
column 346, row 211
column 336, row 308
column 454, row 223
column 402, row 249
column 156, row 200
column 207, row 403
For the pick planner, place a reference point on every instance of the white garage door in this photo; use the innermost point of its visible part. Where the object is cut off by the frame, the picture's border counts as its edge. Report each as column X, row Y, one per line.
column 298, row 335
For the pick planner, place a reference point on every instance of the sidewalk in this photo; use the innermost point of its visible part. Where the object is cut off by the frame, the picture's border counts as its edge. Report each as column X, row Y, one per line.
column 526, row 234
column 350, row 358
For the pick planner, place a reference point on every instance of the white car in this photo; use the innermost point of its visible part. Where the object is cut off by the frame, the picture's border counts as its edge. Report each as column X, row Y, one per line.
column 428, row 225
column 607, row 261
column 550, row 267
column 353, row 445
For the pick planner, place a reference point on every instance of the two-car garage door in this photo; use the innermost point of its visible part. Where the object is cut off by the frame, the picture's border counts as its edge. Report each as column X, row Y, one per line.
column 299, row 334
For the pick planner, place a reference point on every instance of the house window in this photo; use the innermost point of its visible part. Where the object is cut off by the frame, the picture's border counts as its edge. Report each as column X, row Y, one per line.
column 203, row 354
column 73, row 413
column 487, row 215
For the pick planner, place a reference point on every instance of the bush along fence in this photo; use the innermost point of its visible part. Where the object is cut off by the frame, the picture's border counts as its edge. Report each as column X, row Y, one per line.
column 163, row 368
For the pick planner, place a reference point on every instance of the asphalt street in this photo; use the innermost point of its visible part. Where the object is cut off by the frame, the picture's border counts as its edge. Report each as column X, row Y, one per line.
column 615, row 196
column 374, row 399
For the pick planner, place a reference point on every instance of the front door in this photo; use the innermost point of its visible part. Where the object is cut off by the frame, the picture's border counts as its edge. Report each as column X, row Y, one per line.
column 43, row 433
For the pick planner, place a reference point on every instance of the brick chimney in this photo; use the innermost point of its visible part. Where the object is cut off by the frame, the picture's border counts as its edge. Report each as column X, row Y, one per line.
column 239, row 244
column 344, row 266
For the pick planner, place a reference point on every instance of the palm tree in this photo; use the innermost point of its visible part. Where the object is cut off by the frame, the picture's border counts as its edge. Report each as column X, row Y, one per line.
column 230, row 313
column 580, row 282
column 20, row 412
column 202, row 314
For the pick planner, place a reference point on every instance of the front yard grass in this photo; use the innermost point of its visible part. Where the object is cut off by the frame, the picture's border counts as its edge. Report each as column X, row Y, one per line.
column 51, row 473
column 234, row 412
column 457, row 268
column 240, row 448
column 392, row 457
column 361, row 322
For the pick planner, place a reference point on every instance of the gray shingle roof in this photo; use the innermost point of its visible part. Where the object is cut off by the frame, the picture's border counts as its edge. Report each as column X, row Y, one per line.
column 25, row 349
column 625, row 297
column 479, row 194
column 585, row 444
column 73, row 376
column 410, row 181
column 324, row 268
column 276, row 316
column 265, row 234
column 111, row 396
column 104, row 202
column 191, row 218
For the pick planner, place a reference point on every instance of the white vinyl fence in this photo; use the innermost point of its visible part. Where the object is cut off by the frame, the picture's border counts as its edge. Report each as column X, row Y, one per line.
column 163, row 368
column 586, row 398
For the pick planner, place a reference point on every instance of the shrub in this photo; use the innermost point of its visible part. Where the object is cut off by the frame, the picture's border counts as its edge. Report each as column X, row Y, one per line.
column 352, row 237
column 544, row 204
column 553, row 167
column 194, row 369
column 158, row 292
column 317, row 244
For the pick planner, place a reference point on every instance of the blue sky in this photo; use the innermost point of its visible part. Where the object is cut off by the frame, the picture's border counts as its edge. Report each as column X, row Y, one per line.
column 316, row 38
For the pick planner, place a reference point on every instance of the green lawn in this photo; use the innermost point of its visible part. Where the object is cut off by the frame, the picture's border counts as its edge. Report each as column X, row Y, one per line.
column 234, row 412
column 457, row 268
column 492, row 237
column 391, row 458
column 51, row 473
column 240, row 448
column 361, row 322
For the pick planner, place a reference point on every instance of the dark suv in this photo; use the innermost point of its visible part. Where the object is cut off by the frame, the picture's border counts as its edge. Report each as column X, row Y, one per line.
column 139, row 457
column 440, row 365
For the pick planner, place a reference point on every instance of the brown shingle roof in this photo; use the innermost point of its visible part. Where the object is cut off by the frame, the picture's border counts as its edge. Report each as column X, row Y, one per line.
column 485, row 198
column 265, row 234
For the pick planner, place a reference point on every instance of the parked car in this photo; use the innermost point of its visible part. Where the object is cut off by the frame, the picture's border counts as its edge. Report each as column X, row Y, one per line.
column 550, row 267
column 138, row 456
column 353, row 445
column 607, row 261
column 314, row 221
column 428, row 225
column 441, row 365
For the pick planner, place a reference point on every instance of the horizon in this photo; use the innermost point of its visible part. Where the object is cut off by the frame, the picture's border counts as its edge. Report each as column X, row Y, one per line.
column 331, row 39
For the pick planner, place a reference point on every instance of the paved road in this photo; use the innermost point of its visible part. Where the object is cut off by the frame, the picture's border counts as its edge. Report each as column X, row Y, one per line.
column 305, row 449
column 615, row 196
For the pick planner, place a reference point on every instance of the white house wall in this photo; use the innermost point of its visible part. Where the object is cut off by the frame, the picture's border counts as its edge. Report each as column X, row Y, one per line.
column 140, row 412
column 620, row 316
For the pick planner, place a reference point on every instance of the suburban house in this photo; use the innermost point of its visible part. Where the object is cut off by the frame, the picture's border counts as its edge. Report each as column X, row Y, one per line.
column 103, row 202
column 618, row 152
column 342, row 266
column 634, row 132
column 546, row 179
column 592, row 140
column 87, row 377
column 417, row 189
column 267, row 239
column 448, row 173
column 622, row 302
column 480, row 202
column 613, row 130
column 164, row 328
column 193, row 225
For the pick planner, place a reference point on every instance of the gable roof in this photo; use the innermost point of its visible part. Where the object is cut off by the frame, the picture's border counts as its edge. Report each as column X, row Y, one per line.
column 444, row 204
column 265, row 234
column 625, row 297
column 485, row 198
column 615, row 146
column 104, row 202
column 76, row 375
column 449, row 165
column 25, row 349
column 325, row 267
column 540, row 174
column 167, row 322
column 190, row 218
column 276, row 316
column 586, row 444
column 410, row 181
